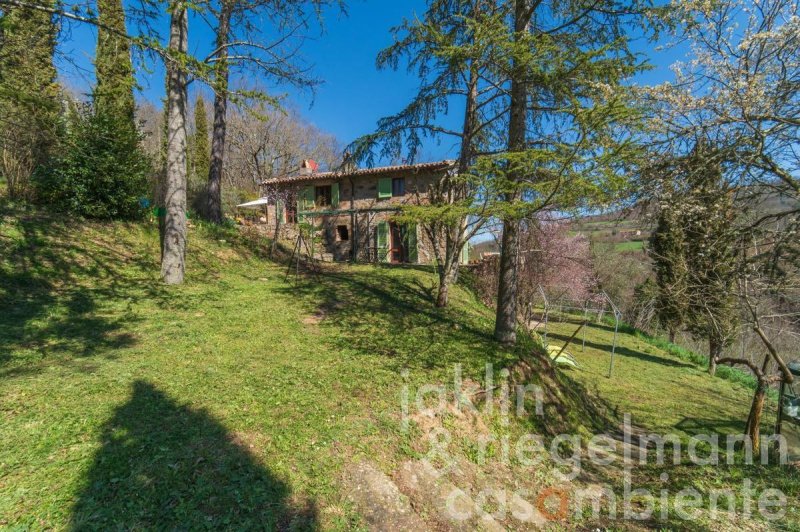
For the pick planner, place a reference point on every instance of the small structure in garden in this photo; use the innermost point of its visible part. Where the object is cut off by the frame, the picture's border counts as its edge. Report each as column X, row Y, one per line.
column 557, row 304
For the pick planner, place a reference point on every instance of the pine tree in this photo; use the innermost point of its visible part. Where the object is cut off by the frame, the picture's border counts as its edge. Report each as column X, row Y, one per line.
column 563, row 64
column 29, row 95
column 114, row 91
column 448, row 49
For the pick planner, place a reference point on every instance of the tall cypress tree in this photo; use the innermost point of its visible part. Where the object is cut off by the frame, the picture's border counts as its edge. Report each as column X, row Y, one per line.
column 199, row 159
column 668, row 251
column 114, row 91
column 710, row 253
column 29, row 94
column 200, row 150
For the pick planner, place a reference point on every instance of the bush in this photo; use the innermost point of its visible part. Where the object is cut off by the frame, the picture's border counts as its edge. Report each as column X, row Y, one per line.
column 100, row 171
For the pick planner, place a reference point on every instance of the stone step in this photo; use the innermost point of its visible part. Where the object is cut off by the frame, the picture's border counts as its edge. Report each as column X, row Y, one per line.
column 379, row 500
column 451, row 507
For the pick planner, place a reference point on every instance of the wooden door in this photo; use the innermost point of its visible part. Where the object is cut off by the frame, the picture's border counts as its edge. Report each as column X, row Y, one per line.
column 398, row 253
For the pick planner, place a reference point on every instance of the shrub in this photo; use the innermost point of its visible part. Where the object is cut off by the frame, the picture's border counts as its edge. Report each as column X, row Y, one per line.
column 100, row 171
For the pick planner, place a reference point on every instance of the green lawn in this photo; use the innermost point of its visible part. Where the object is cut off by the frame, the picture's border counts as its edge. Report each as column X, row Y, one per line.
column 629, row 245
column 228, row 384
column 665, row 394
column 235, row 399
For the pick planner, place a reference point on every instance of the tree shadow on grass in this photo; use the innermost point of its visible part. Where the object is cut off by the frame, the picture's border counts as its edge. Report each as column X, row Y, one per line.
column 47, row 307
column 389, row 313
column 166, row 466
column 65, row 285
column 627, row 352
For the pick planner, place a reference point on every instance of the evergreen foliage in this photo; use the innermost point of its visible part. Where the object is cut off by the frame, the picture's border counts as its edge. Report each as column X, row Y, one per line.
column 694, row 250
column 710, row 251
column 114, row 91
column 668, row 251
column 101, row 172
column 199, row 156
column 29, row 95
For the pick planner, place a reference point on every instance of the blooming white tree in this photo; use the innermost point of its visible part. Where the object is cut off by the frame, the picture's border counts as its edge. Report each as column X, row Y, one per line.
column 741, row 89
column 740, row 93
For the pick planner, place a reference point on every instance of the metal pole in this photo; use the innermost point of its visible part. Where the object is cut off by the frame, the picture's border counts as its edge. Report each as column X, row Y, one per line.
column 546, row 312
column 585, row 321
column 779, row 421
column 617, row 315
column 614, row 346
column 546, row 316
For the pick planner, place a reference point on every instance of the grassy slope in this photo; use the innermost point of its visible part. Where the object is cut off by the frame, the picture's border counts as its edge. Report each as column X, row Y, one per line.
column 225, row 400
column 667, row 394
column 107, row 378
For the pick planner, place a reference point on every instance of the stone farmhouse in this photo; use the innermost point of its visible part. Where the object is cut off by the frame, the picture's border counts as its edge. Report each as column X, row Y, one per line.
column 352, row 210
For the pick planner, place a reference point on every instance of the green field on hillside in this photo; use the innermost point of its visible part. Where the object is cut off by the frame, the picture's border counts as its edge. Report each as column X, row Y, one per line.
column 235, row 400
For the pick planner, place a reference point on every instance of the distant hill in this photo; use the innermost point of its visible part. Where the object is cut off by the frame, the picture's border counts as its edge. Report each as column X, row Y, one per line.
column 477, row 251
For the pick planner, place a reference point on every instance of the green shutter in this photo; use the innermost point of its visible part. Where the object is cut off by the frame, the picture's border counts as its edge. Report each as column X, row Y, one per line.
column 305, row 202
column 335, row 195
column 411, row 243
column 383, row 241
column 465, row 254
column 384, row 187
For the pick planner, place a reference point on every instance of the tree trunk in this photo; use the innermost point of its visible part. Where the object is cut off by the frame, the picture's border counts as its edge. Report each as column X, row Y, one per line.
column 714, row 350
column 505, row 329
column 214, row 199
column 174, row 252
column 455, row 238
column 672, row 336
column 447, row 276
column 753, row 429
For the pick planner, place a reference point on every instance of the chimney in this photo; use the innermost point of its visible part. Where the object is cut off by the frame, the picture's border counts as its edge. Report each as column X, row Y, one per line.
column 309, row 166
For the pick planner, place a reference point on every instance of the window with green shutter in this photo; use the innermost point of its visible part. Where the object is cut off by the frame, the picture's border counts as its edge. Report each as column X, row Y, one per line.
column 305, row 202
column 382, row 233
column 384, row 188
column 335, row 195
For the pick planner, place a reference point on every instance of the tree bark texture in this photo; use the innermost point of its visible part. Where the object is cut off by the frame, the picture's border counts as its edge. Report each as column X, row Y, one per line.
column 214, row 196
column 173, row 257
column 505, row 330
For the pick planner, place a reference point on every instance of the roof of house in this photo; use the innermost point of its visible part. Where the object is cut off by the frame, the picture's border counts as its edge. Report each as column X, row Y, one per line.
column 315, row 176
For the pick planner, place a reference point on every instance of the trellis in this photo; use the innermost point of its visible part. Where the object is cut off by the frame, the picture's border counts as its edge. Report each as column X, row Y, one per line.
column 598, row 304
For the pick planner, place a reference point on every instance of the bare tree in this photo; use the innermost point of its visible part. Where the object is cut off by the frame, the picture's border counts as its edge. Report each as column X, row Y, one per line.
column 241, row 45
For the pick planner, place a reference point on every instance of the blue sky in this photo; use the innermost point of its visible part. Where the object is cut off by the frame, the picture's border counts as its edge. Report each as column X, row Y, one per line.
column 353, row 95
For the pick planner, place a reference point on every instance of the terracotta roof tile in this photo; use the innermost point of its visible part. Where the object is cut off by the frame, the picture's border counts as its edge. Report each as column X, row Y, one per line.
column 300, row 178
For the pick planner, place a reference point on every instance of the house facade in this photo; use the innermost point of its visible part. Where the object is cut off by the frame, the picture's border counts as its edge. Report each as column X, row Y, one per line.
column 352, row 211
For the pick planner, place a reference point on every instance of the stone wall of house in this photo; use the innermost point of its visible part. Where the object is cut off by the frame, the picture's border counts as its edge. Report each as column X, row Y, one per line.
column 339, row 233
